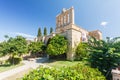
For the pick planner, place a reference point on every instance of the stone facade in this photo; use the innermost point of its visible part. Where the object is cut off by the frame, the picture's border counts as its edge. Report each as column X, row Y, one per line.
column 116, row 73
column 97, row 34
column 65, row 26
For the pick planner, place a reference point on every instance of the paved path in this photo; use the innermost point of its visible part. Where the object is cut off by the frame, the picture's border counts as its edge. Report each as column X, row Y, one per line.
column 28, row 64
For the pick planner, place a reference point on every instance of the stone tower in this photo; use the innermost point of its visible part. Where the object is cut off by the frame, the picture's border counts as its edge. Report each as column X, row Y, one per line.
column 66, row 17
column 65, row 26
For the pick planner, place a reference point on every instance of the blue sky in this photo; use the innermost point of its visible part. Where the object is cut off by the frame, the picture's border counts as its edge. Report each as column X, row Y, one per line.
column 24, row 17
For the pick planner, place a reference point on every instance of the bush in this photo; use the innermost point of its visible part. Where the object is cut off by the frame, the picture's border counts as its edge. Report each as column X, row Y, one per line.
column 81, row 51
column 77, row 72
column 104, row 55
column 36, row 47
column 57, row 45
column 14, row 60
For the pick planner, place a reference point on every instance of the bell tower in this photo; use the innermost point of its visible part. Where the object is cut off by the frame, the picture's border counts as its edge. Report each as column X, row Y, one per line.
column 65, row 18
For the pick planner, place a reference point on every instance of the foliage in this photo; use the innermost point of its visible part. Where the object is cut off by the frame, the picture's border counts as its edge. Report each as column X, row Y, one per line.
column 45, row 31
column 3, row 48
column 15, row 60
column 36, row 47
column 77, row 72
column 51, row 30
column 14, row 47
column 57, row 45
column 6, row 36
column 17, row 46
column 39, row 32
column 104, row 55
column 81, row 51
column 117, row 46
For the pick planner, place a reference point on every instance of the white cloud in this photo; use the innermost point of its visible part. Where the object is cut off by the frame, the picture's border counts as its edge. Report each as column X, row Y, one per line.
column 103, row 23
column 25, row 35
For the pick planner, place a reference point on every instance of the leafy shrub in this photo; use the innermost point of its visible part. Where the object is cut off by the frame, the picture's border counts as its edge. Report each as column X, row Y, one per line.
column 14, row 60
column 104, row 55
column 36, row 47
column 57, row 45
column 81, row 51
column 77, row 72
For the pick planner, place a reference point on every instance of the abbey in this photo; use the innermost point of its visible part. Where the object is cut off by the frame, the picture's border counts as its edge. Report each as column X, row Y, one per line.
column 65, row 26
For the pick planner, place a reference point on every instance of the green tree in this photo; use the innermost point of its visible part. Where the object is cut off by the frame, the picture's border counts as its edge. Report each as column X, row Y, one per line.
column 51, row 30
column 45, row 31
column 57, row 45
column 81, row 51
column 36, row 47
column 104, row 55
column 6, row 36
column 117, row 46
column 18, row 45
column 14, row 47
column 39, row 33
column 3, row 48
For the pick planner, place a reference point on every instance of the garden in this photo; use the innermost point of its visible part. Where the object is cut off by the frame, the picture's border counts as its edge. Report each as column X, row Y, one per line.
column 93, row 60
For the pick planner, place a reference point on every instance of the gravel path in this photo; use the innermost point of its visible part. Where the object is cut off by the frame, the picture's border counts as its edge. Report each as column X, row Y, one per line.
column 28, row 65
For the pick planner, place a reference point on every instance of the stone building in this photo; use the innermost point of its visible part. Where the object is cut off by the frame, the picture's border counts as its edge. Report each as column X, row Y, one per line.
column 65, row 26
column 116, row 73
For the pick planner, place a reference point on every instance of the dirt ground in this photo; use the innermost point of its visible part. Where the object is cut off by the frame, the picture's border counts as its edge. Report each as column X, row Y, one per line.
column 18, row 76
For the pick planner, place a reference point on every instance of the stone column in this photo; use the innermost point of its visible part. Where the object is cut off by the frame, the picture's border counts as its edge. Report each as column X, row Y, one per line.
column 70, row 53
column 62, row 20
column 66, row 18
column 57, row 19
column 72, row 15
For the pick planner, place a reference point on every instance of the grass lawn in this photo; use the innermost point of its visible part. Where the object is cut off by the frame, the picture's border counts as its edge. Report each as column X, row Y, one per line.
column 62, row 63
column 6, row 67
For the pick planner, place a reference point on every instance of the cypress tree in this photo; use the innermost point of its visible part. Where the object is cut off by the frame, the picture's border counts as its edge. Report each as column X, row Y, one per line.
column 51, row 30
column 39, row 32
column 45, row 31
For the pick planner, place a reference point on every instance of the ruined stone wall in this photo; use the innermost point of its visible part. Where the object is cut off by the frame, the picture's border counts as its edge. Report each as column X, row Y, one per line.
column 116, row 76
column 74, row 36
column 68, row 35
column 46, row 38
column 65, row 26
column 64, row 19
column 96, row 34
